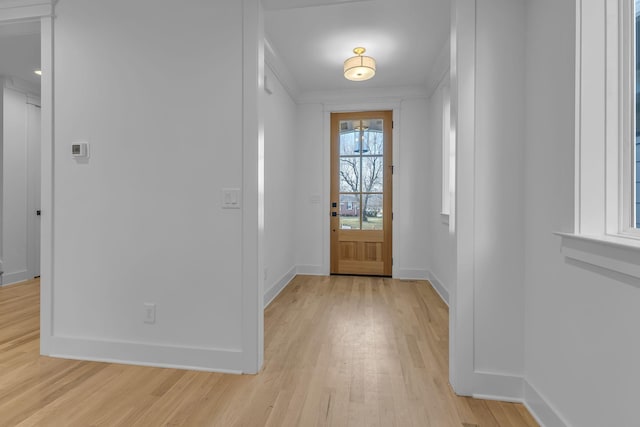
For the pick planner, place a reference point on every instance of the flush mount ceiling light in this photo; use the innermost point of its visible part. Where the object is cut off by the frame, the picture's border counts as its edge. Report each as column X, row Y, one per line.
column 359, row 68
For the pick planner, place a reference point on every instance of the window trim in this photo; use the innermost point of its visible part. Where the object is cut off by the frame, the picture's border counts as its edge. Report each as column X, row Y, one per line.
column 604, row 133
column 446, row 150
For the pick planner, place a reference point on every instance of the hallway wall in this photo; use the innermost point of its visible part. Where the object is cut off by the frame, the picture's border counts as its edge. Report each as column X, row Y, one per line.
column 141, row 220
column 410, row 254
column 16, row 214
column 582, row 346
column 499, row 184
column 281, row 207
column 442, row 241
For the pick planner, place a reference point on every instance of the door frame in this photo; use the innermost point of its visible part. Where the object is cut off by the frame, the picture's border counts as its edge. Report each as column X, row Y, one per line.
column 33, row 203
column 387, row 189
column 42, row 11
column 392, row 105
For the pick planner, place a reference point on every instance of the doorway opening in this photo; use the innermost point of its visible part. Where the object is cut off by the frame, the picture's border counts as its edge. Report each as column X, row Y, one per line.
column 20, row 151
column 361, row 187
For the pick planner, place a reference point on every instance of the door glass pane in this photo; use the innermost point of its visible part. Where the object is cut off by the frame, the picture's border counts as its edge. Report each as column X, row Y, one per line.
column 372, row 174
column 350, row 174
column 349, row 143
column 372, row 211
column 350, row 211
column 373, row 142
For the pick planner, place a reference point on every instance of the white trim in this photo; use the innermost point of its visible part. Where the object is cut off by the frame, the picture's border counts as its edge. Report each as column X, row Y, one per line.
column 492, row 386
column 23, row 28
column 411, row 274
column 369, row 96
column 311, row 270
column 275, row 289
column 22, row 86
column 46, row 185
column 542, row 411
column 392, row 104
column 605, row 110
column 444, row 218
column 611, row 253
column 15, row 277
column 440, row 69
column 280, row 71
column 463, row 105
column 25, row 12
column 11, row 10
column 252, row 187
column 34, row 100
column 165, row 356
column 437, row 285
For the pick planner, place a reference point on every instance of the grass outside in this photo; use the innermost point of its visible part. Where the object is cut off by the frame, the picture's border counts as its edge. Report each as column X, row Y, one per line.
column 372, row 223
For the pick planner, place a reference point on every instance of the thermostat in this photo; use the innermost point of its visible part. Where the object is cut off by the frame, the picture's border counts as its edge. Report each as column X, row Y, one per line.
column 80, row 150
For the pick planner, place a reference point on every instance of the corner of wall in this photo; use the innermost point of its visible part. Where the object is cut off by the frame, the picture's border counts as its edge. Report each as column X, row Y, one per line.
column 275, row 289
column 439, row 287
column 541, row 410
column 228, row 361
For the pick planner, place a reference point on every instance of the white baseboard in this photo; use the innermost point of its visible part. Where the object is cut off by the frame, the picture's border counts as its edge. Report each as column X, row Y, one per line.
column 16, row 277
column 491, row 386
column 408, row 274
column 439, row 287
column 544, row 413
column 310, row 270
column 511, row 388
column 163, row 356
column 277, row 287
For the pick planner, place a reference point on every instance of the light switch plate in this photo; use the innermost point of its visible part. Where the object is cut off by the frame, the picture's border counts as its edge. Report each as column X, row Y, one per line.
column 231, row 198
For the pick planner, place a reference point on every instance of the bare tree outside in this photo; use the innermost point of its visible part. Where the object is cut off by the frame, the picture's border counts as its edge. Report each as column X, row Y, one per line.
column 362, row 169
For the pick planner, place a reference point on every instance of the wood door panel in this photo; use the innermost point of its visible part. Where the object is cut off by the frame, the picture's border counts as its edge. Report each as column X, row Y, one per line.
column 362, row 268
column 361, row 193
column 361, row 236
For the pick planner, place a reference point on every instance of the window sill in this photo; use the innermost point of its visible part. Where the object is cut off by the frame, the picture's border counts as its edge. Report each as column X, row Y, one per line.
column 613, row 253
column 444, row 217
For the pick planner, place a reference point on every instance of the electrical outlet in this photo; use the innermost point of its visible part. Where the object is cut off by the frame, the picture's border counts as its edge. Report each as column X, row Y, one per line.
column 149, row 312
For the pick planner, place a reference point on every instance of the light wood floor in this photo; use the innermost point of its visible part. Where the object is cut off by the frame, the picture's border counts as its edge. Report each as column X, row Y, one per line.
column 339, row 351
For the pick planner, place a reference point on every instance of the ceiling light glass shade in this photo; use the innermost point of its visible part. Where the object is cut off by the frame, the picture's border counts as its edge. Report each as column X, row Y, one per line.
column 359, row 68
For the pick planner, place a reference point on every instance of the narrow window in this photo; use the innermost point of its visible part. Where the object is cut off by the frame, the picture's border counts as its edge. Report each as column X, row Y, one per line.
column 446, row 150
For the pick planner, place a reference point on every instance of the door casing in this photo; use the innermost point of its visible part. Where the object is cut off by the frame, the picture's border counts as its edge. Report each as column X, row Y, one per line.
column 387, row 232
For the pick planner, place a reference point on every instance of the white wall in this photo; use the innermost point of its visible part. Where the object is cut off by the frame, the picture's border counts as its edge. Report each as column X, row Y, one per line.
column 442, row 249
column 582, row 346
column 411, row 210
column 499, row 196
column 160, row 103
column 310, row 175
column 410, row 201
column 281, row 204
column 14, row 190
column 487, row 285
column 18, row 175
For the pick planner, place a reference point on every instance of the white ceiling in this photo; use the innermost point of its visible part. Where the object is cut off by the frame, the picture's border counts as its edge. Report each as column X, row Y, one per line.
column 20, row 52
column 314, row 37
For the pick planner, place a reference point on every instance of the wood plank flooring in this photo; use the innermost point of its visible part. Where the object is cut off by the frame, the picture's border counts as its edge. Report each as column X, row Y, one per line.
column 340, row 351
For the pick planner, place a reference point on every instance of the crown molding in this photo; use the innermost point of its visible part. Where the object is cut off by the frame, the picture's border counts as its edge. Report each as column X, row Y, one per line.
column 275, row 63
column 298, row 4
column 363, row 95
column 19, row 10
